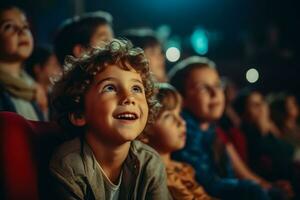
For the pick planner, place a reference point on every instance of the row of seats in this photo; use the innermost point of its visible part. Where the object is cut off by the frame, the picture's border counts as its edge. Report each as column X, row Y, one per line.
column 26, row 147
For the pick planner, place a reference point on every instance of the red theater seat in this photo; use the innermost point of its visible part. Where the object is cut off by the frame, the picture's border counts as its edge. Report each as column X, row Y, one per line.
column 25, row 150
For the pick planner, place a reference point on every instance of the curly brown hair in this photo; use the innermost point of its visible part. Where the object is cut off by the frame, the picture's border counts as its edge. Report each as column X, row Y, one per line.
column 69, row 89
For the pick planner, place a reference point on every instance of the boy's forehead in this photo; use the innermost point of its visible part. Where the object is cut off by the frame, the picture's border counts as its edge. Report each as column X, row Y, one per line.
column 117, row 72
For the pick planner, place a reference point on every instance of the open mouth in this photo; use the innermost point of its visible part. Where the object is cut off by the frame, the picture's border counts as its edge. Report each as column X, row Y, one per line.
column 127, row 116
column 182, row 135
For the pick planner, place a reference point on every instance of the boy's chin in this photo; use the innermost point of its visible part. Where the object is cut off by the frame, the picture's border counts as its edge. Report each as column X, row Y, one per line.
column 129, row 137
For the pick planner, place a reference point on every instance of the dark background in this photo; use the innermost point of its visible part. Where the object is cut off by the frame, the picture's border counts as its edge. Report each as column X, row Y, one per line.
column 242, row 33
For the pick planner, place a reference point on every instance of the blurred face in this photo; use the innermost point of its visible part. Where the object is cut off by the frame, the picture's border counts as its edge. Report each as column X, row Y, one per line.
column 168, row 131
column 50, row 68
column 256, row 108
column 230, row 93
column 292, row 108
column 16, row 41
column 116, row 109
column 102, row 33
column 204, row 95
column 157, row 62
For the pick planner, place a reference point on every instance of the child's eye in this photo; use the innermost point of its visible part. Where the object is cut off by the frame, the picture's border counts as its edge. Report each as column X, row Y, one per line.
column 26, row 27
column 137, row 89
column 202, row 88
column 10, row 27
column 167, row 116
column 109, row 88
column 7, row 27
column 170, row 116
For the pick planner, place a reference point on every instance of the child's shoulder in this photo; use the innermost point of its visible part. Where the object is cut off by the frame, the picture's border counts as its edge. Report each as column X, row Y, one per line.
column 66, row 155
column 143, row 149
column 145, row 153
column 149, row 161
column 68, row 148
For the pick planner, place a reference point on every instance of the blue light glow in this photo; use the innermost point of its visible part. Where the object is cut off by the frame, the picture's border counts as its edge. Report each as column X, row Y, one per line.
column 199, row 41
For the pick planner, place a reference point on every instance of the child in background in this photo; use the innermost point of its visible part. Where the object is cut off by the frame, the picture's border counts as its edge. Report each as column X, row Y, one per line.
column 285, row 113
column 268, row 156
column 18, row 92
column 42, row 65
column 148, row 41
column 107, row 97
column 167, row 135
column 78, row 34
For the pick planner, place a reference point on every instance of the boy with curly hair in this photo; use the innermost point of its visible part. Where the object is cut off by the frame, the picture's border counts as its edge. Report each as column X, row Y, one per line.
column 105, row 98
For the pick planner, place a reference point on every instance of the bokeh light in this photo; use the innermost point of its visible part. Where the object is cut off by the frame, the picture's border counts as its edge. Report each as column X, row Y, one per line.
column 172, row 54
column 252, row 75
column 199, row 41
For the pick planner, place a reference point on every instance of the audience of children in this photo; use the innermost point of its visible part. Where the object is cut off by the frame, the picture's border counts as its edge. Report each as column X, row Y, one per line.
column 108, row 96
column 105, row 97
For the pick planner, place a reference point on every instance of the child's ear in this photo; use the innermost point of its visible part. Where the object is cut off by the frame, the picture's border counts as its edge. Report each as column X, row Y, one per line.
column 78, row 49
column 77, row 119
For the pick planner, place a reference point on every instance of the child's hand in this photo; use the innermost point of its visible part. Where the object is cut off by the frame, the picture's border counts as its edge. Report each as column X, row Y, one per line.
column 265, row 184
column 286, row 187
column 41, row 98
column 264, row 125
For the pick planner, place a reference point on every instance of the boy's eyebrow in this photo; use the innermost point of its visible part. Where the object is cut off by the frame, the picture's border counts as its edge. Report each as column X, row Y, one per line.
column 114, row 79
column 105, row 79
column 137, row 80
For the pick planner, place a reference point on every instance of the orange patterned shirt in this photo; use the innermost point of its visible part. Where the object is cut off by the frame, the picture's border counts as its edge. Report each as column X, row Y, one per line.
column 182, row 184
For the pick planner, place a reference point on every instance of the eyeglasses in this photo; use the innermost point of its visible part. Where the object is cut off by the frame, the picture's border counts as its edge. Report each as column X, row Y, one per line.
column 11, row 28
column 208, row 89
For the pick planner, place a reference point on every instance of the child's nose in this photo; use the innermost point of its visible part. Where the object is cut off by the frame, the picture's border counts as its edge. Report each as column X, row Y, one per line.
column 181, row 121
column 128, row 99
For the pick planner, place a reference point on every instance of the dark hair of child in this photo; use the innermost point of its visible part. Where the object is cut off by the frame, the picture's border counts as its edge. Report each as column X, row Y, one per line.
column 143, row 38
column 78, row 30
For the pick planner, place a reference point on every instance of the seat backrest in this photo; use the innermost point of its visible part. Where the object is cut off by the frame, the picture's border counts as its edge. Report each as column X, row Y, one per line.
column 25, row 149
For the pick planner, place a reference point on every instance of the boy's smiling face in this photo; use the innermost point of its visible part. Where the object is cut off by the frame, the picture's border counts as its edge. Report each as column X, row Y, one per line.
column 116, row 109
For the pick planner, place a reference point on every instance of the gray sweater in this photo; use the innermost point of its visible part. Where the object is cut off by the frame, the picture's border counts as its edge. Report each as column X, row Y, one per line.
column 77, row 175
